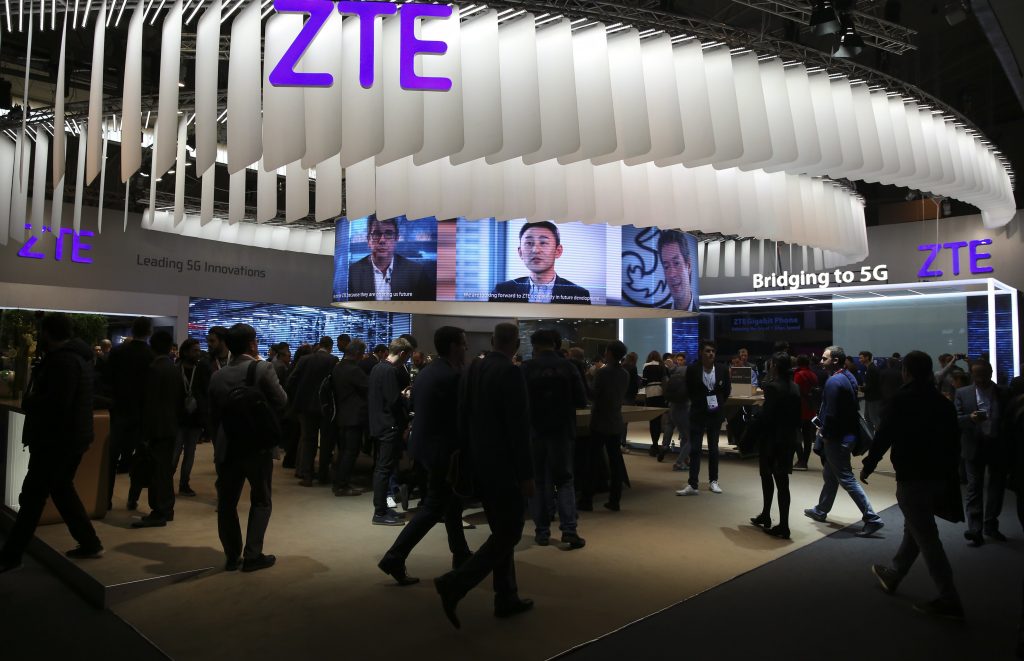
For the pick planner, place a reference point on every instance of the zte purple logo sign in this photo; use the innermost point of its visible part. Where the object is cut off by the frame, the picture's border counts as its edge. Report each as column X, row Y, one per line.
column 974, row 256
column 78, row 246
column 284, row 74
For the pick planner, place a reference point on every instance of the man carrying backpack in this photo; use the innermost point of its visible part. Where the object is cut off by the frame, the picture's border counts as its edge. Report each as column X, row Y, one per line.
column 245, row 398
column 556, row 391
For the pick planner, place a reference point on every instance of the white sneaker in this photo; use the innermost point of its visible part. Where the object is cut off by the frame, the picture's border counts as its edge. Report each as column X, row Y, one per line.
column 391, row 503
column 715, row 488
column 688, row 491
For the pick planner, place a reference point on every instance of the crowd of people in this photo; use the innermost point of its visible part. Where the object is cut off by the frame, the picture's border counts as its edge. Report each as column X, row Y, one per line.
column 501, row 432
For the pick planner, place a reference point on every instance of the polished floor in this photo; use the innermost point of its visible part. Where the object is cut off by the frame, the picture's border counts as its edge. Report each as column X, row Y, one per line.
column 326, row 596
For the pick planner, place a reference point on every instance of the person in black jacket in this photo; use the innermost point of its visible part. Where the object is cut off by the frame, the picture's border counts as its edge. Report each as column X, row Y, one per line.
column 494, row 431
column 654, row 377
column 58, row 430
column 195, row 378
column 556, row 391
column 162, row 411
column 435, row 400
column 920, row 426
column 304, row 392
column 777, row 429
column 709, row 388
column 350, row 414
column 387, row 400
column 129, row 363
column 606, row 425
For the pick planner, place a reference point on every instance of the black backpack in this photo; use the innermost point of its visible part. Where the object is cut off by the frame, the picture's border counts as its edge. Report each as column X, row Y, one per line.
column 248, row 419
column 325, row 395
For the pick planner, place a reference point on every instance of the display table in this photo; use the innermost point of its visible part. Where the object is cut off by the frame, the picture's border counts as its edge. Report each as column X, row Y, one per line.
column 629, row 414
column 91, row 480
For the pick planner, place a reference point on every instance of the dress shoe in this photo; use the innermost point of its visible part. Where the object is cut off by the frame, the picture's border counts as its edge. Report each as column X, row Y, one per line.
column 255, row 564
column 449, row 599
column 661, row 455
column 612, row 506
column 388, row 519
column 780, row 531
column 510, row 607
column 573, row 540
column 395, row 568
column 150, row 521
column 995, row 535
column 542, row 540
column 974, row 538
column 812, row 513
column 459, row 560
column 870, row 528
column 762, row 520
column 653, row 450
column 941, row 608
column 348, row 491
column 233, row 564
column 887, row 578
column 186, row 491
column 85, row 552
column 800, row 466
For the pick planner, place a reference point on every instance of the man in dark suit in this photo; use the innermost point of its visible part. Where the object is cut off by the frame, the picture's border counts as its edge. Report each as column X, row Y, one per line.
column 606, row 424
column 435, row 400
column 350, row 418
column 539, row 246
column 388, row 409
column 980, row 409
column 129, row 363
column 58, row 431
column 380, row 352
column 494, row 430
column 556, row 391
column 709, row 388
column 384, row 275
column 304, row 392
column 161, row 415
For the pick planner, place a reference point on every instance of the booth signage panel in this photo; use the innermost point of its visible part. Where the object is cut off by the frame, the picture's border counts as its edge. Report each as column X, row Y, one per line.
column 932, row 265
column 822, row 280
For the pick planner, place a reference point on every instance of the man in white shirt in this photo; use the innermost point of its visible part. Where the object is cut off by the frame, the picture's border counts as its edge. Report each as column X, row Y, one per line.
column 384, row 275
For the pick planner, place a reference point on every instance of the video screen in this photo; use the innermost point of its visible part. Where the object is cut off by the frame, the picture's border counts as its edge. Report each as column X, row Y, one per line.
column 514, row 261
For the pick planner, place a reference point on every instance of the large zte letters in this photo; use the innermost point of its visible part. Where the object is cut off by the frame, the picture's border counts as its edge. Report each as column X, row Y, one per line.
column 78, row 246
column 284, row 74
column 934, row 249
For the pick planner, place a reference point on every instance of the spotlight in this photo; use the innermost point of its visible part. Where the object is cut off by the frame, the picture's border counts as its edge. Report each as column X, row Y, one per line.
column 850, row 43
column 824, row 19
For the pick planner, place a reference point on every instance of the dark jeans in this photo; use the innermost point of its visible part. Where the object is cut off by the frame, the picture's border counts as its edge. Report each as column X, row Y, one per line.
column 388, row 452
column 186, row 443
column 161, row 481
column 504, row 510
column 350, row 439
column 594, row 446
column 232, row 474
column 807, row 433
column 125, row 435
column 552, row 470
column 439, row 504
column 984, row 501
column 50, row 474
column 314, row 434
column 292, row 431
column 655, row 425
column 698, row 430
column 917, row 501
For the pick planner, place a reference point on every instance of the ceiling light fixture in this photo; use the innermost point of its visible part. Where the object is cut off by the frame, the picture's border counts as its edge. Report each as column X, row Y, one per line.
column 824, row 19
column 850, row 43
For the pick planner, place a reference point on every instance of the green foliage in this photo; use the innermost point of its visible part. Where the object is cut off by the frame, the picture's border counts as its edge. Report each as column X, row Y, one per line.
column 90, row 328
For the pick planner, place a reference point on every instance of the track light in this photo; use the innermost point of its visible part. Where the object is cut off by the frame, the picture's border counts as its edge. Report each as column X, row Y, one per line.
column 850, row 43
column 824, row 19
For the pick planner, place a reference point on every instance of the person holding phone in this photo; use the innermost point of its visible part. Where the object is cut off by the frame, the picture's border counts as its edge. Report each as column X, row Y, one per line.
column 980, row 407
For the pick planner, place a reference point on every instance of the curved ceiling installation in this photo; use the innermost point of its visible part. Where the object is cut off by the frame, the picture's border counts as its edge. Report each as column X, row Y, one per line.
column 552, row 115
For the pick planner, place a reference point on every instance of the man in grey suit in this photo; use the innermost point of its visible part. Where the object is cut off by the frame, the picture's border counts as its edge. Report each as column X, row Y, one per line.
column 162, row 409
column 384, row 275
column 350, row 418
column 980, row 408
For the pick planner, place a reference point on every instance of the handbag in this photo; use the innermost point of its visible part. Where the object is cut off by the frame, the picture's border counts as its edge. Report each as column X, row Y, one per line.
column 865, row 435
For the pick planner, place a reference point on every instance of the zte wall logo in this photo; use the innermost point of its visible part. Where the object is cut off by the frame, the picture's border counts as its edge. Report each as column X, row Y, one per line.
column 929, row 269
column 284, row 74
column 33, row 248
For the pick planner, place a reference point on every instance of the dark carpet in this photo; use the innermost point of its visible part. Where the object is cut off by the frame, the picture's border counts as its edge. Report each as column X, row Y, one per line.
column 822, row 602
column 42, row 618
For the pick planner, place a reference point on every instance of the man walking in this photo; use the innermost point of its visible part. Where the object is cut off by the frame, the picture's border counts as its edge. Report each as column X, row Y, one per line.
column 838, row 432
column 556, row 391
column 129, row 363
column 435, row 401
column 162, row 410
column 606, row 425
column 350, row 415
column 58, row 431
column 304, row 393
column 920, row 427
column 494, row 430
column 709, row 388
column 237, row 460
column 389, row 418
